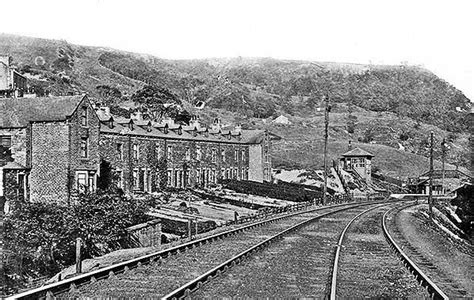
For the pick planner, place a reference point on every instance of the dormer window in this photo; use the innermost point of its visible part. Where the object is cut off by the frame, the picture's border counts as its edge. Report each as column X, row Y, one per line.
column 180, row 131
column 148, row 128
column 165, row 129
column 111, row 123
column 130, row 125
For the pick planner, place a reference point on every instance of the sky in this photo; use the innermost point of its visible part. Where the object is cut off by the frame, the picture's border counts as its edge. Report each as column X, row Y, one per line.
column 435, row 34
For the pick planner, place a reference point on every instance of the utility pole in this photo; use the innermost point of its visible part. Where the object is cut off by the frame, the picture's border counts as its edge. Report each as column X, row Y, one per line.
column 430, row 195
column 326, row 125
column 443, row 152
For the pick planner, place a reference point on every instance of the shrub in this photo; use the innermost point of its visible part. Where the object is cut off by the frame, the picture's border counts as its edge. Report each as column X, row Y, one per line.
column 45, row 233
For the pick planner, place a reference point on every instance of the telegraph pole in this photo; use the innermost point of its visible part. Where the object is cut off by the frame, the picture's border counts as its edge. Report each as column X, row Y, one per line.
column 443, row 151
column 326, row 125
column 430, row 195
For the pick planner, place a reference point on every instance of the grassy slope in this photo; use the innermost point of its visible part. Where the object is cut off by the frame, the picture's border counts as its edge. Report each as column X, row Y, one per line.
column 302, row 146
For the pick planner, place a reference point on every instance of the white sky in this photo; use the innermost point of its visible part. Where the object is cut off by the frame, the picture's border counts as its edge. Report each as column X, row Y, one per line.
column 436, row 34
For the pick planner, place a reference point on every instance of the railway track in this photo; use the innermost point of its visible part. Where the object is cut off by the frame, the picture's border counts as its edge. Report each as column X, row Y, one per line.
column 438, row 284
column 158, row 273
column 365, row 266
column 299, row 265
column 196, row 283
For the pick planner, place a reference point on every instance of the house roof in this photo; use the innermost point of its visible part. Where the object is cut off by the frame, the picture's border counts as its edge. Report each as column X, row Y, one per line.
column 13, row 166
column 357, row 152
column 18, row 112
column 246, row 136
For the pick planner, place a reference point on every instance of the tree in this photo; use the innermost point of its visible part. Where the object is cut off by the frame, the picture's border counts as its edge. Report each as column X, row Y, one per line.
column 108, row 94
column 156, row 101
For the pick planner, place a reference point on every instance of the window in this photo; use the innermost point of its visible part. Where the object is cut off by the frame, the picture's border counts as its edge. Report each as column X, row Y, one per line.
column 243, row 155
column 5, row 141
column 120, row 151
column 135, row 179
column 170, row 153
column 84, row 116
column 119, row 175
column 197, row 176
column 21, row 179
column 84, row 144
column 85, row 180
column 91, row 182
column 213, row 176
column 158, row 152
column 175, row 178
column 234, row 174
column 169, row 178
column 235, row 155
column 136, row 151
column 223, row 155
column 214, row 155
column 81, row 181
column 198, row 153
column 227, row 174
column 188, row 154
column 146, row 180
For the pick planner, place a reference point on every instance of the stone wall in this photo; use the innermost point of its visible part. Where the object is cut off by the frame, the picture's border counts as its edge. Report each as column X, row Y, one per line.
column 206, row 162
column 76, row 132
column 50, row 162
column 144, row 235
column 256, row 163
column 177, row 159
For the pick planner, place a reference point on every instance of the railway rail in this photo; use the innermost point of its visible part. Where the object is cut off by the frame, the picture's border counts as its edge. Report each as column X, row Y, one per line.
column 307, row 272
column 195, row 284
column 425, row 271
column 74, row 283
column 365, row 265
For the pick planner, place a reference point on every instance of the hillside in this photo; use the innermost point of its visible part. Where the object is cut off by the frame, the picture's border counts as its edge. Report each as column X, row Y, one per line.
column 389, row 110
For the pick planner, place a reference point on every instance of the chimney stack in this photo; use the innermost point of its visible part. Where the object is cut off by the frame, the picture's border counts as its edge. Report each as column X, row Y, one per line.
column 216, row 125
column 238, row 128
column 195, row 122
column 137, row 116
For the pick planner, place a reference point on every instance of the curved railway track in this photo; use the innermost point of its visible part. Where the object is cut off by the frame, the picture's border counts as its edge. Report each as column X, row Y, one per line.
column 438, row 284
column 166, row 267
column 301, row 266
column 366, row 266
column 195, row 284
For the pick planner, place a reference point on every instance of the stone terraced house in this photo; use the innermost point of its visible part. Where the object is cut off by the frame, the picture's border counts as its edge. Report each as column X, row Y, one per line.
column 58, row 143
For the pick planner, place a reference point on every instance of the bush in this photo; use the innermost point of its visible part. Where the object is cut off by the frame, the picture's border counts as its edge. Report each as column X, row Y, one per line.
column 45, row 233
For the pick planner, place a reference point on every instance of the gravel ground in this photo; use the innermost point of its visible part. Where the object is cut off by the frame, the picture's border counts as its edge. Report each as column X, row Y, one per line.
column 449, row 266
column 158, row 279
column 369, row 268
column 299, row 265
